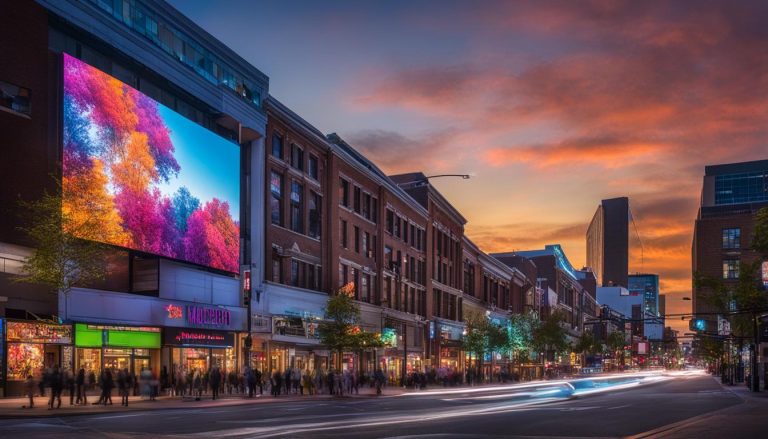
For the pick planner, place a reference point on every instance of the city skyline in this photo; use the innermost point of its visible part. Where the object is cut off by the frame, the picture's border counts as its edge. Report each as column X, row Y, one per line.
column 631, row 99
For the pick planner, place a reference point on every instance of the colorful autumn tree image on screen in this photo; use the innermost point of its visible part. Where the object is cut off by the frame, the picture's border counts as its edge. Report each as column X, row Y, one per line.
column 151, row 179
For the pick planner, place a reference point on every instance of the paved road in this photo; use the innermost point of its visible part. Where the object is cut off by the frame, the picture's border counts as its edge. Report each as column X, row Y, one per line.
column 497, row 412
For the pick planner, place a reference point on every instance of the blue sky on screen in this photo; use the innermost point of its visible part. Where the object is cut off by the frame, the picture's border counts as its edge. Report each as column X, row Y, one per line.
column 210, row 165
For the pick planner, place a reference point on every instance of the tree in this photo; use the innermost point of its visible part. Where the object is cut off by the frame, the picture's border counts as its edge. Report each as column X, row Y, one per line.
column 587, row 344
column 760, row 238
column 550, row 336
column 60, row 259
column 615, row 343
column 521, row 330
column 340, row 331
column 474, row 340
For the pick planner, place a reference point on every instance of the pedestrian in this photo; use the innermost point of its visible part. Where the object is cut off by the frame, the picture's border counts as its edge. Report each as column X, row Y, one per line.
column 198, row 384
column 70, row 377
column 122, row 386
column 378, row 379
column 107, row 384
column 231, row 381
column 275, row 382
column 43, row 380
column 91, row 380
column 296, row 380
column 215, row 381
column 80, row 383
column 259, row 380
column 55, row 381
column 29, row 389
column 287, row 381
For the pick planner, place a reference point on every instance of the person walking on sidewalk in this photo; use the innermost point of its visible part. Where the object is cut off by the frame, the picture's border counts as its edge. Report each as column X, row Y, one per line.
column 378, row 379
column 80, row 383
column 215, row 381
column 29, row 389
column 56, row 386
column 107, row 384
column 70, row 386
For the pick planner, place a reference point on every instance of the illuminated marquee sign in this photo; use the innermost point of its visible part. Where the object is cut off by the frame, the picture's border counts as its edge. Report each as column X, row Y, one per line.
column 205, row 316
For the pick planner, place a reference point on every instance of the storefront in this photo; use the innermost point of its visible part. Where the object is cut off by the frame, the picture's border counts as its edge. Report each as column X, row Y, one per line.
column 199, row 350
column 160, row 334
column 99, row 347
column 449, row 337
column 31, row 347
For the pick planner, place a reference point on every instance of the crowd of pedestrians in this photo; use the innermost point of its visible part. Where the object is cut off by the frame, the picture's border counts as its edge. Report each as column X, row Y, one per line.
column 250, row 382
column 57, row 382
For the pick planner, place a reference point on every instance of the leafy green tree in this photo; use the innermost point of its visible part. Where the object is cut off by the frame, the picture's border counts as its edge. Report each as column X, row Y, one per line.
column 59, row 260
column 521, row 331
column 615, row 343
column 760, row 238
column 550, row 336
column 340, row 331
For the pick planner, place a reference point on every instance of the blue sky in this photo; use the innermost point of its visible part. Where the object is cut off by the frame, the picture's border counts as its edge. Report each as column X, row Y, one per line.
column 210, row 165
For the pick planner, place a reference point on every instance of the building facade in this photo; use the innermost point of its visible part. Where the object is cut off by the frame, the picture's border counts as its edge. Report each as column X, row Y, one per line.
column 608, row 242
column 731, row 195
column 647, row 285
column 138, row 79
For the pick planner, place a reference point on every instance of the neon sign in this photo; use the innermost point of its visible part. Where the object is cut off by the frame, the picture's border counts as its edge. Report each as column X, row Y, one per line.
column 198, row 315
column 174, row 312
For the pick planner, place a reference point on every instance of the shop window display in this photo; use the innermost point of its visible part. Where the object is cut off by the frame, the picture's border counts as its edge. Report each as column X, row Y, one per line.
column 24, row 359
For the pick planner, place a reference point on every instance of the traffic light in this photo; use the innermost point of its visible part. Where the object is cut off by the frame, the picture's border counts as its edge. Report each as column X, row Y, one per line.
column 699, row 325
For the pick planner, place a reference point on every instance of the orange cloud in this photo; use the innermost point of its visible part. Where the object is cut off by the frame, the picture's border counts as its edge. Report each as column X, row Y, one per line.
column 607, row 153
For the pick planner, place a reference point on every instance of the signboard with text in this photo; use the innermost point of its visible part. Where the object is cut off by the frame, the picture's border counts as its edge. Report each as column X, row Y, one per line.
column 197, row 337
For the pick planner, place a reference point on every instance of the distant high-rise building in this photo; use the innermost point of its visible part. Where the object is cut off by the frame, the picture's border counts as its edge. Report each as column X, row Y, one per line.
column 608, row 242
column 731, row 195
column 646, row 285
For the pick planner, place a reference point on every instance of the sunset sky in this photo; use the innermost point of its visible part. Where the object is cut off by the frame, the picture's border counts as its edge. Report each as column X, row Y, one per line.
column 552, row 106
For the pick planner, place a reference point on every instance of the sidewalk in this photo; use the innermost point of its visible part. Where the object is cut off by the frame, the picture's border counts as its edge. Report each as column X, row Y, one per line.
column 12, row 407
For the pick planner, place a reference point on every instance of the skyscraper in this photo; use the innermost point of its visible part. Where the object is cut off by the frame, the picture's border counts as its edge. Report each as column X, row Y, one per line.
column 608, row 242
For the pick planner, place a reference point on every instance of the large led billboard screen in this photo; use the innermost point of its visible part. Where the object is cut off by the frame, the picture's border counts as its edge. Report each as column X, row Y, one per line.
column 138, row 175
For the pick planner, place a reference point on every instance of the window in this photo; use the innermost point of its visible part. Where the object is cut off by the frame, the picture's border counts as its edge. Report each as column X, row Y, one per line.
column 276, row 201
column 353, row 277
column 315, row 214
column 730, row 268
column 413, row 235
column 390, row 221
column 277, row 272
column 312, row 166
column 374, row 210
column 388, row 256
column 366, row 240
column 397, row 226
column 344, row 192
column 357, row 199
column 297, row 218
column 357, row 239
column 343, row 233
column 365, row 294
column 297, row 157
column 366, row 206
column 732, row 238
column 15, row 99
column 342, row 275
column 405, row 232
column 277, row 146
column 294, row 272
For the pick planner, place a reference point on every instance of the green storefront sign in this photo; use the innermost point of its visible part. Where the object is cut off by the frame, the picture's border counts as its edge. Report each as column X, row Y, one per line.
column 96, row 336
